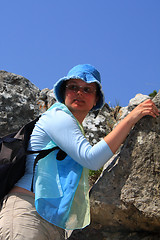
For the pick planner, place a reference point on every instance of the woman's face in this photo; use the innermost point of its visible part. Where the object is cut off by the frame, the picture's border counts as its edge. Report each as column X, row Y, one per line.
column 80, row 96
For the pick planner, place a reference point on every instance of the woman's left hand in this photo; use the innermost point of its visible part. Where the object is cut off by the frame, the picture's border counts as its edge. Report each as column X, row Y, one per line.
column 145, row 108
column 115, row 138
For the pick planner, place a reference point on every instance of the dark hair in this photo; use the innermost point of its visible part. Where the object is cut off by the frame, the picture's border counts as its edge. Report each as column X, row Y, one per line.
column 63, row 89
column 98, row 91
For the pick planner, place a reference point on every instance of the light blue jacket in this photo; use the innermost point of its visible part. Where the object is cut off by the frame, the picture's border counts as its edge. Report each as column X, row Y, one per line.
column 63, row 185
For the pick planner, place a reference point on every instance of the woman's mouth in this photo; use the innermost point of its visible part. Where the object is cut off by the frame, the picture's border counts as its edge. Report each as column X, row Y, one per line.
column 78, row 100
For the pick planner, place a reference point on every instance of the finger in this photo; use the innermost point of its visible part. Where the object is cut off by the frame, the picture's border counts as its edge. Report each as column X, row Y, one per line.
column 148, row 112
column 148, row 108
column 150, row 105
column 155, row 110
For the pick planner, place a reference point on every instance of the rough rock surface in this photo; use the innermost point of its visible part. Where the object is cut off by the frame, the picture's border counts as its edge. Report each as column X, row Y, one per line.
column 125, row 201
column 45, row 100
column 98, row 124
column 18, row 102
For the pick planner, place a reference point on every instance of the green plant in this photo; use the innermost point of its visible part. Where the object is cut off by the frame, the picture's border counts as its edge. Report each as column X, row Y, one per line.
column 153, row 94
column 93, row 175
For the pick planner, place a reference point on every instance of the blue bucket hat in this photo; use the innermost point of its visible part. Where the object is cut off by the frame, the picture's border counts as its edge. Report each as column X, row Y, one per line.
column 88, row 74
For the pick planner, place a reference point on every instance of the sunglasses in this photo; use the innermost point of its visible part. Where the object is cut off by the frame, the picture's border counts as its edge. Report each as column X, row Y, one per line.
column 76, row 88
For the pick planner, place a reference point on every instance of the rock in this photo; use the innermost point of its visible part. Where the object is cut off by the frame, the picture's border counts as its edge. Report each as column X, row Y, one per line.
column 98, row 124
column 156, row 100
column 97, row 232
column 137, row 100
column 18, row 102
column 45, row 99
column 50, row 98
column 125, row 201
column 123, row 112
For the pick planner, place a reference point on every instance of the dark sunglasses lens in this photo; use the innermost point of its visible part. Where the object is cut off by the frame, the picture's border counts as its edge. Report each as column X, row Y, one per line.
column 76, row 88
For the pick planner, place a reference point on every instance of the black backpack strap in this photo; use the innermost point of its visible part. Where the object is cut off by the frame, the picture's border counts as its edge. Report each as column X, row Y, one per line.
column 61, row 155
column 43, row 153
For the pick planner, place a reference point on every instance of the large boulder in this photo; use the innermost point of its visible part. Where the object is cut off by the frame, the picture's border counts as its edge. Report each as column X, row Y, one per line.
column 125, row 201
column 18, row 102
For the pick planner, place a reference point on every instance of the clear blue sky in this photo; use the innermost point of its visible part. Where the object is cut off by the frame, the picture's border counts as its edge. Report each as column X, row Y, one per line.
column 42, row 39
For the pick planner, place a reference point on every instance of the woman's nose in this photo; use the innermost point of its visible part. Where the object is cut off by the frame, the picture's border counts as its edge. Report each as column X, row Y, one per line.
column 80, row 91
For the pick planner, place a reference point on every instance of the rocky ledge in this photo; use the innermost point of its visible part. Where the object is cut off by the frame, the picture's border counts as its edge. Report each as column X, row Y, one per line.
column 125, row 199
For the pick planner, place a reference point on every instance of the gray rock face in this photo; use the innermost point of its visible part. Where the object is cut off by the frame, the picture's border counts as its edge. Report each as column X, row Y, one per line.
column 126, row 198
column 125, row 201
column 137, row 100
column 45, row 100
column 98, row 124
column 18, row 102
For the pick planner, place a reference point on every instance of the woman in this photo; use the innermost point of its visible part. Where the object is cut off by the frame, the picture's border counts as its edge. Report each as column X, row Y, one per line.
column 60, row 197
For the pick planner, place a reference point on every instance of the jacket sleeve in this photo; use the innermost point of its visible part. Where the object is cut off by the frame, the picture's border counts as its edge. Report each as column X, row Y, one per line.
column 65, row 132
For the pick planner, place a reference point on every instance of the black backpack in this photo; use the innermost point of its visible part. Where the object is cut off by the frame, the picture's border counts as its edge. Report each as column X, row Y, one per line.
column 13, row 152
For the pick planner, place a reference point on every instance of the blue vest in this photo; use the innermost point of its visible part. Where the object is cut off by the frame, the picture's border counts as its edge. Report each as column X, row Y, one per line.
column 62, row 189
